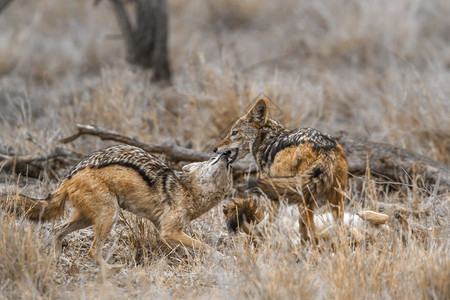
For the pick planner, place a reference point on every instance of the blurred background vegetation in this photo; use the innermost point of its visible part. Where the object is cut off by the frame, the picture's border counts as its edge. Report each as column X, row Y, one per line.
column 376, row 69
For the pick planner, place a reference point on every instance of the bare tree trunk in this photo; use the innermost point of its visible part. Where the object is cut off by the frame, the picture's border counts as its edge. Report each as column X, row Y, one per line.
column 4, row 4
column 146, row 41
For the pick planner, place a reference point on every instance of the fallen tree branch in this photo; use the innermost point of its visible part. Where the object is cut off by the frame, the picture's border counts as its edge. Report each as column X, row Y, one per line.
column 25, row 159
column 33, row 165
column 393, row 162
column 172, row 151
column 384, row 160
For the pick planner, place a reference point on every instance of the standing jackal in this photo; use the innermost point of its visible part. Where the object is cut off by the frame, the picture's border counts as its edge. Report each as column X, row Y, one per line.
column 127, row 177
column 302, row 165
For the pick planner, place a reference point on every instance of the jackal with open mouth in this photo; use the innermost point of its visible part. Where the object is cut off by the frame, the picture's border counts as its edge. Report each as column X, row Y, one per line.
column 304, row 166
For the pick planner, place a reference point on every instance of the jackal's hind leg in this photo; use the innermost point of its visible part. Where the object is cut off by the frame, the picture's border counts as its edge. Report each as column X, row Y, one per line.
column 76, row 223
column 103, row 224
column 336, row 202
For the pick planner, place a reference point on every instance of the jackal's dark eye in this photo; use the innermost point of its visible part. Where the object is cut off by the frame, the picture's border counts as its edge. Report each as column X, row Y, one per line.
column 234, row 132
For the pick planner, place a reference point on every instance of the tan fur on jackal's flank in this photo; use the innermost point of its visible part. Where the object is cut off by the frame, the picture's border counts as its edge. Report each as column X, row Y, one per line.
column 126, row 177
column 303, row 165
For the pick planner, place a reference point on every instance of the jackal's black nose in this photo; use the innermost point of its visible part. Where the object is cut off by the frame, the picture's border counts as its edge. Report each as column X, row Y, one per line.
column 227, row 153
column 215, row 150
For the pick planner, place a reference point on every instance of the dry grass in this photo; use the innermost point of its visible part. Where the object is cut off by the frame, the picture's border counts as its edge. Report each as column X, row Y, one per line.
column 377, row 69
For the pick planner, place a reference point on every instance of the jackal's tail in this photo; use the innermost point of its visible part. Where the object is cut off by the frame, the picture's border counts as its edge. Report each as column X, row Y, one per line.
column 240, row 211
column 315, row 182
column 43, row 210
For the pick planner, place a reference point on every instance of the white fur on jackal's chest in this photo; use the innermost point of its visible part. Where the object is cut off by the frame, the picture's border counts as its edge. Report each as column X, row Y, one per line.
column 211, row 182
column 213, row 179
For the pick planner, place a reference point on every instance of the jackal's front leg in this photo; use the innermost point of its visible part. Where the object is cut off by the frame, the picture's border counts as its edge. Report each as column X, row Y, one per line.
column 181, row 238
column 306, row 223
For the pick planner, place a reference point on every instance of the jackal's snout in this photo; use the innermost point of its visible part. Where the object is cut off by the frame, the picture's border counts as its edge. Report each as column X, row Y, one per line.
column 231, row 155
column 227, row 152
column 222, row 157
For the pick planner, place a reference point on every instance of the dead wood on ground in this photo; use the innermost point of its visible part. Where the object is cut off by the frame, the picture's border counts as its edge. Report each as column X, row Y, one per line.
column 393, row 163
column 33, row 165
column 384, row 160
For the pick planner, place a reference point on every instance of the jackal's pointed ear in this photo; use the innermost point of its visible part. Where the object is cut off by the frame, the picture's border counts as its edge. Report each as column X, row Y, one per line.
column 190, row 167
column 259, row 113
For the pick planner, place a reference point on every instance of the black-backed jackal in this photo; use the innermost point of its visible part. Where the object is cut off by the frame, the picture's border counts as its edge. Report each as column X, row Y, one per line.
column 127, row 177
column 304, row 165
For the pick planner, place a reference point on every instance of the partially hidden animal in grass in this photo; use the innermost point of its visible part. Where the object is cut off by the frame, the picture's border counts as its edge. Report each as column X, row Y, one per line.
column 127, row 177
column 244, row 214
column 304, row 166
